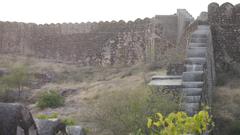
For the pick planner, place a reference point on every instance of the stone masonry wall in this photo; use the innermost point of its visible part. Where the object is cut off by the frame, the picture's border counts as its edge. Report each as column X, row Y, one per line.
column 225, row 27
column 103, row 43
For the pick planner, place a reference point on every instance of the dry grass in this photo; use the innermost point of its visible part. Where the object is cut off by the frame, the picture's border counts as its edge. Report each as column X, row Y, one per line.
column 226, row 106
column 90, row 84
column 227, row 99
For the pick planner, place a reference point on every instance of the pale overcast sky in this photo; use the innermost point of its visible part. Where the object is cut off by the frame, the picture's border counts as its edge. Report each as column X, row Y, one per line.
column 59, row 11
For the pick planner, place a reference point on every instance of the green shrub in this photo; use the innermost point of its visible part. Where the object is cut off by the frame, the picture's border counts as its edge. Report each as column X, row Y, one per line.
column 180, row 123
column 124, row 111
column 45, row 116
column 68, row 121
column 50, row 99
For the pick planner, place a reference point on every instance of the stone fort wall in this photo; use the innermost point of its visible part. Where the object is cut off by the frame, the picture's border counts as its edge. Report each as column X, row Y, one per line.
column 225, row 26
column 103, row 43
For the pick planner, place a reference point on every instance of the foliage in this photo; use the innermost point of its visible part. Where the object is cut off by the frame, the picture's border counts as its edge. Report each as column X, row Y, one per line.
column 17, row 78
column 45, row 116
column 124, row 111
column 179, row 123
column 68, row 121
column 50, row 99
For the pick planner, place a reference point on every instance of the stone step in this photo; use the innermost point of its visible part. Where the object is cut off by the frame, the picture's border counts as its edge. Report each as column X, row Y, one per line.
column 195, row 60
column 196, row 51
column 195, row 76
column 193, row 67
column 199, row 40
column 170, row 77
column 206, row 32
column 203, row 27
column 197, row 44
column 199, row 35
column 192, row 91
column 198, row 48
column 192, row 99
column 192, row 84
column 191, row 108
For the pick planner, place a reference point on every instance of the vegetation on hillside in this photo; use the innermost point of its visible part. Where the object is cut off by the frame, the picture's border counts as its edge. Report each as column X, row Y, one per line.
column 226, row 107
column 16, row 79
column 125, row 111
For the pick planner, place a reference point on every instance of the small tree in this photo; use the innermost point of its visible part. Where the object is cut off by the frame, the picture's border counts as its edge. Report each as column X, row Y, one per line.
column 16, row 79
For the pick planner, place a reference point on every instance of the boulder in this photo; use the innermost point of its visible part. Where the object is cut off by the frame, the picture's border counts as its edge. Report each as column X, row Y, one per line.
column 75, row 130
column 47, row 127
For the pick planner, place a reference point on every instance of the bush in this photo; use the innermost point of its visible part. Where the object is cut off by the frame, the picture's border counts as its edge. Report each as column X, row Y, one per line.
column 68, row 121
column 124, row 111
column 180, row 123
column 50, row 99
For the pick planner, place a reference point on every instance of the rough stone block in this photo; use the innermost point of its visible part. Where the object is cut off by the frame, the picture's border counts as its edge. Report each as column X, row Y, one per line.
column 47, row 127
column 193, row 67
column 75, row 130
column 199, row 40
column 196, row 52
column 196, row 60
column 192, row 76
column 192, row 91
column 192, row 99
column 192, row 84
column 197, row 44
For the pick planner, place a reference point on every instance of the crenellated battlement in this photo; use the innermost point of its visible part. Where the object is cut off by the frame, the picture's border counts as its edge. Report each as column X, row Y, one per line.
column 225, row 14
column 225, row 26
column 96, row 43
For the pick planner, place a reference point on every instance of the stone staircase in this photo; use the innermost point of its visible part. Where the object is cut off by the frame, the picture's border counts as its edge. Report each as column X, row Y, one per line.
column 197, row 80
column 195, row 62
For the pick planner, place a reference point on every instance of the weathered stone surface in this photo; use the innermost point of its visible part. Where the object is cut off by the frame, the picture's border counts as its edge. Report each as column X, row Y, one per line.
column 225, row 28
column 213, row 14
column 75, row 130
column 237, row 14
column 198, row 79
column 175, row 69
column 103, row 43
column 192, row 76
column 203, row 17
column 48, row 127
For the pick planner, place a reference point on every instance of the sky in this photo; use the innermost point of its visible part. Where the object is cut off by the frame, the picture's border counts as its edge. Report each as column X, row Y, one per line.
column 76, row 11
